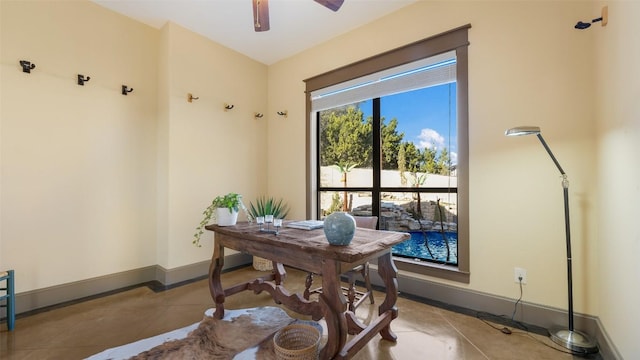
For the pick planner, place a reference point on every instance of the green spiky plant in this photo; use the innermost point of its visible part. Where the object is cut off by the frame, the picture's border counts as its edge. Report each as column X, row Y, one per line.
column 268, row 206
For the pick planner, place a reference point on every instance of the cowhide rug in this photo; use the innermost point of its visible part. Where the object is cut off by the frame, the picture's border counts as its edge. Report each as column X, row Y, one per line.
column 224, row 339
column 193, row 341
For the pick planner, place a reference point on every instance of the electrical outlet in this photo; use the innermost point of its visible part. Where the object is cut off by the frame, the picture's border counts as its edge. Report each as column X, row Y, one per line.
column 519, row 273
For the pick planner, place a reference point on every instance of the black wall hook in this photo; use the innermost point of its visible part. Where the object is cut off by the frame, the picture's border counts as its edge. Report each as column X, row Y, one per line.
column 27, row 66
column 583, row 25
column 126, row 90
column 227, row 106
column 282, row 113
column 258, row 115
column 82, row 79
column 603, row 19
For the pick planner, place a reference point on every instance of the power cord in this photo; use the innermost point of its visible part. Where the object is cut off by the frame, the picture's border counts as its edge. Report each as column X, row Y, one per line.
column 506, row 326
column 504, row 329
column 515, row 307
column 522, row 329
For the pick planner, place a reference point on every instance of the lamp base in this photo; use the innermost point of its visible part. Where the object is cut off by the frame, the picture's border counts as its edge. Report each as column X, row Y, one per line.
column 574, row 340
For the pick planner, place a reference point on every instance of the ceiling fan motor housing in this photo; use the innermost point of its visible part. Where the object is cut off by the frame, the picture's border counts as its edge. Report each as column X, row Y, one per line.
column 261, row 12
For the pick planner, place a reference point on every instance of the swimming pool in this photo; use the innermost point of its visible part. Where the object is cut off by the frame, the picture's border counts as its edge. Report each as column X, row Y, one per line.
column 415, row 247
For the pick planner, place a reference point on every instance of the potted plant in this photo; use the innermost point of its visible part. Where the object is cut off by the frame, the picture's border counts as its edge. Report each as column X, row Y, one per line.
column 268, row 206
column 224, row 209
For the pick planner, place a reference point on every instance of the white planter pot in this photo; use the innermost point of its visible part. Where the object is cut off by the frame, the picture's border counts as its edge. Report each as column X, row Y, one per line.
column 225, row 217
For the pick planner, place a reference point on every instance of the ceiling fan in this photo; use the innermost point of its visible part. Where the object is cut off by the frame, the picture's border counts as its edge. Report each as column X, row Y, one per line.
column 261, row 12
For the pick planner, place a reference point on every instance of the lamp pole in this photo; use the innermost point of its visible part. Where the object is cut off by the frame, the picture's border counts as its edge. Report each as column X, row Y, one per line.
column 567, row 228
column 570, row 338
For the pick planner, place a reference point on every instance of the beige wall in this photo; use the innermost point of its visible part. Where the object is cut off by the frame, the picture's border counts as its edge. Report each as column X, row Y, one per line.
column 95, row 183
column 208, row 151
column 78, row 191
column 617, row 92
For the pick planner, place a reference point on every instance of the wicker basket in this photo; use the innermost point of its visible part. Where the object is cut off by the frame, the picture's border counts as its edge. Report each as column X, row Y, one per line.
column 297, row 341
column 262, row 264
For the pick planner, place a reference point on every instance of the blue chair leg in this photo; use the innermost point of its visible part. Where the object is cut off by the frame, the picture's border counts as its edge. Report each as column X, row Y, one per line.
column 11, row 302
column 9, row 297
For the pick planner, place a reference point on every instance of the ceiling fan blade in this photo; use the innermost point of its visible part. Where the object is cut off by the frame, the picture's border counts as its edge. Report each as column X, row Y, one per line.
column 331, row 4
column 260, row 15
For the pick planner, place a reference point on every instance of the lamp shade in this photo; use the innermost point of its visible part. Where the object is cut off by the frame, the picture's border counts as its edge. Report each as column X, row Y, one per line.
column 522, row 130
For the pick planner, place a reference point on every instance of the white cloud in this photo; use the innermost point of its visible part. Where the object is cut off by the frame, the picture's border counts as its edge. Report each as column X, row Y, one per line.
column 430, row 139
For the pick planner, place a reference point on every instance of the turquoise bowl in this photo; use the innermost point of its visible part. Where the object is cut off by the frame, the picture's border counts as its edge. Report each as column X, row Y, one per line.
column 339, row 228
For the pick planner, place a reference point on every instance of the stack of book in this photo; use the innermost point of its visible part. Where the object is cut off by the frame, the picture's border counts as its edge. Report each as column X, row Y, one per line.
column 306, row 224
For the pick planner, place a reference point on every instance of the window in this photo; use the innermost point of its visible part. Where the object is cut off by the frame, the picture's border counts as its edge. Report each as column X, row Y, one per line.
column 388, row 136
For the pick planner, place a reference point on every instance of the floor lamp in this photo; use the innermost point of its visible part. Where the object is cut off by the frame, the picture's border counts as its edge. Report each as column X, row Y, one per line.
column 570, row 338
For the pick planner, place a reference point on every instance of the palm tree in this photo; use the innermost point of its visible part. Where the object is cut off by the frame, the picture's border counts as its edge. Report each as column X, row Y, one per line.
column 417, row 181
column 345, row 168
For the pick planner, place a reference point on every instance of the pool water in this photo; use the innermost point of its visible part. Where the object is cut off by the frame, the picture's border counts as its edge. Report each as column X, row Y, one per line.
column 415, row 247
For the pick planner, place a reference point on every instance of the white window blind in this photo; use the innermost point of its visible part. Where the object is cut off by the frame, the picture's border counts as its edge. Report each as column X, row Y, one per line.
column 436, row 70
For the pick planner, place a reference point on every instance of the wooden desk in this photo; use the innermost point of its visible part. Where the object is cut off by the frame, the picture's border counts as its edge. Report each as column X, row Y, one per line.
column 310, row 251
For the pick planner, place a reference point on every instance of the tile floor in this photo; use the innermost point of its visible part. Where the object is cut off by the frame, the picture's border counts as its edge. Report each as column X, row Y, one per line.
column 84, row 328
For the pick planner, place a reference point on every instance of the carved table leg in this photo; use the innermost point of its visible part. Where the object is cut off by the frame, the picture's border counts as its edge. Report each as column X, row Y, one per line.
column 279, row 273
column 334, row 305
column 215, row 285
column 307, row 286
column 367, row 281
column 389, row 274
column 351, row 291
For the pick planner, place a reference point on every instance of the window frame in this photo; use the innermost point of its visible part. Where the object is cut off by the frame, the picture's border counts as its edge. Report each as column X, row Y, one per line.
column 456, row 40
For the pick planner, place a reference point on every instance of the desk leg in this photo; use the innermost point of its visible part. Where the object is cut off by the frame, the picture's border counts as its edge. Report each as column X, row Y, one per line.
column 279, row 273
column 389, row 274
column 333, row 306
column 215, row 285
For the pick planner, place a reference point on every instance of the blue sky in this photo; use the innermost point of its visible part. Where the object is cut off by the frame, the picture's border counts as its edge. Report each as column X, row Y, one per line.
column 423, row 116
